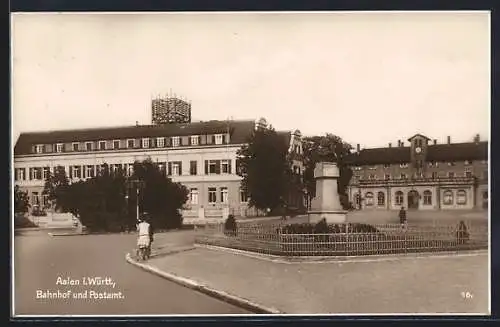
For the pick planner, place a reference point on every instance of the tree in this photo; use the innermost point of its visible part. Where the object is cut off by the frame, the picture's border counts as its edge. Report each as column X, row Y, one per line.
column 21, row 201
column 56, row 187
column 265, row 168
column 107, row 202
column 328, row 148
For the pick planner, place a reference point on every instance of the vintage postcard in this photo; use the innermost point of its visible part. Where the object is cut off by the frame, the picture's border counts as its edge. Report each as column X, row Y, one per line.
column 250, row 163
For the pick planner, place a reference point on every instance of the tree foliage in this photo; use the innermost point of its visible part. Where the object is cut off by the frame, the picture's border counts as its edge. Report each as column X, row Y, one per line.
column 21, row 201
column 328, row 148
column 108, row 201
column 56, row 187
column 265, row 169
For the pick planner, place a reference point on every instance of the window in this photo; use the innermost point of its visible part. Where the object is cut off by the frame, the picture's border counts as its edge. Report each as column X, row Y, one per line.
column 381, row 198
column 160, row 142
column 450, row 164
column 193, row 196
column 436, row 164
column 243, row 196
column 403, row 165
column 76, row 146
column 430, row 164
column 225, row 164
column 193, row 167
column 399, row 198
column 77, row 172
column 447, row 197
column 145, row 143
column 403, row 176
column 89, row 171
column 387, row 166
column 59, row 147
column 371, row 177
column 130, row 169
column 357, row 199
column 88, row 146
column 224, row 195
column 130, row 144
column 467, row 162
column 116, row 144
column 218, row 139
column 35, row 173
column 427, row 197
column 369, row 198
column 468, row 172
column 387, row 176
column 102, row 145
column 451, row 174
column 212, row 195
column 39, row 148
column 34, row 198
column 435, row 174
column 46, row 172
column 175, row 141
column 20, row 174
column 195, row 140
column 212, row 167
column 176, row 171
column 461, row 197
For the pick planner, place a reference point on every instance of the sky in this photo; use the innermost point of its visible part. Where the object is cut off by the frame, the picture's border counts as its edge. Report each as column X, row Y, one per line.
column 370, row 78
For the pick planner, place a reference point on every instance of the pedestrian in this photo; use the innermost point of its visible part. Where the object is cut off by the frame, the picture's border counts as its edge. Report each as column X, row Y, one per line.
column 462, row 233
column 402, row 217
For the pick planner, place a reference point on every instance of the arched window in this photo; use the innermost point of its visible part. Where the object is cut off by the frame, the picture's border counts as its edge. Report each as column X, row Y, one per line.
column 448, row 197
column 461, row 197
column 369, row 198
column 427, row 197
column 399, row 198
column 381, row 198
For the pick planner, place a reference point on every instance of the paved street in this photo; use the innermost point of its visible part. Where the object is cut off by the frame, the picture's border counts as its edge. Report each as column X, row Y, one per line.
column 41, row 259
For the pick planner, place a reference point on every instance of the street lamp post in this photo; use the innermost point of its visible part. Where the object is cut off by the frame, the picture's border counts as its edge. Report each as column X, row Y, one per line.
column 138, row 185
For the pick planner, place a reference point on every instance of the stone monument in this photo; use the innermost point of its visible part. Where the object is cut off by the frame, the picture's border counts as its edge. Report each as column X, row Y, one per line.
column 326, row 203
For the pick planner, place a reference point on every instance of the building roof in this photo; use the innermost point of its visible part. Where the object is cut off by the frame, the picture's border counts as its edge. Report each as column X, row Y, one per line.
column 435, row 152
column 240, row 130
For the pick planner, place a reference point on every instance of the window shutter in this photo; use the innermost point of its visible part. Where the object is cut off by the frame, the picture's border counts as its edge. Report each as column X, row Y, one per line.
column 180, row 167
column 230, row 171
column 238, row 169
column 213, row 139
column 169, row 168
column 217, row 166
column 84, row 171
column 206, row 167
column 70, row 172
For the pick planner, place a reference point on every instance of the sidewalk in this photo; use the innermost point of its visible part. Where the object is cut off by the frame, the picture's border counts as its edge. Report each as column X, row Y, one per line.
column 400, row 285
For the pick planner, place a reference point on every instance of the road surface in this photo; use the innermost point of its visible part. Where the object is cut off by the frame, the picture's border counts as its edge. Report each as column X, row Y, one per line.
column 40, row 260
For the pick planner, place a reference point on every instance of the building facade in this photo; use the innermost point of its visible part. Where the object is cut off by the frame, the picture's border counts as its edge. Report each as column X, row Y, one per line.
column 424, row 175
column 170, row 110
column 202, row 156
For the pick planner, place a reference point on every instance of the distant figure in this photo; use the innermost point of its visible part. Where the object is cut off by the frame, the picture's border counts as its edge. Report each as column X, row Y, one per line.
column 462, row 233
column 402, row 217
column 143, row 229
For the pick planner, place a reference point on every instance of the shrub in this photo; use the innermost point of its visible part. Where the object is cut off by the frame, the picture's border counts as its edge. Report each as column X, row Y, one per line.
column 230, row 226
column 322, row 227
column 20, row 221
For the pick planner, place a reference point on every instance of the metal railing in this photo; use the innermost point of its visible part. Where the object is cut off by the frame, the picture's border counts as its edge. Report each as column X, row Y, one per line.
column 346, row 240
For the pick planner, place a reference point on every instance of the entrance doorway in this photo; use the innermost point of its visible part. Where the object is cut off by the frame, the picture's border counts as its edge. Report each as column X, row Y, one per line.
column 413, row 198
column 485, row 200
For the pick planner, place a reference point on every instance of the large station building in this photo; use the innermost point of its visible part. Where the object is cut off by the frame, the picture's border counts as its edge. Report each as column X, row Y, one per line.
column 200, row 155
column 423, row 175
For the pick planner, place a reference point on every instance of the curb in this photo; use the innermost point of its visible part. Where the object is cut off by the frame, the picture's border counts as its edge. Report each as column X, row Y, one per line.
column 194, row 285
column 343, row 259
column 67, row 234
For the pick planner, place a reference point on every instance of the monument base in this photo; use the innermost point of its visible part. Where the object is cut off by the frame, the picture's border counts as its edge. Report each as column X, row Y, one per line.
column 331, row 216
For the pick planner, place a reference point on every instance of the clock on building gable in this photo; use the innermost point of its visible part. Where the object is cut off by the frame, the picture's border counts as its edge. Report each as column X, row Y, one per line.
column 418, row 146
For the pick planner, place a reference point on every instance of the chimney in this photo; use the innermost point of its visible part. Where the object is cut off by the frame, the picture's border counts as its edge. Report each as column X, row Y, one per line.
column 448, row 139
column 402, row 143
column 358, row 148
column 435, row 141
column 136, row 123
column 390, row 145
column 477, row 138
column 399, row 143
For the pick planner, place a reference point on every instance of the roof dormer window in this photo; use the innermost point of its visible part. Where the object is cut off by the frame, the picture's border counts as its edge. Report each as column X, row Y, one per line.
column 39, row 148
column 145, row 143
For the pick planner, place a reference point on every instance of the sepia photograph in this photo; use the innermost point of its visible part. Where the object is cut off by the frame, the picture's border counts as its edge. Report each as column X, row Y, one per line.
column 250, row 164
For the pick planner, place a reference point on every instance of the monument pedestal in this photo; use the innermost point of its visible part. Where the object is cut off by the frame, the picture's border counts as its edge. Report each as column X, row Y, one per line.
column 326, row 203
